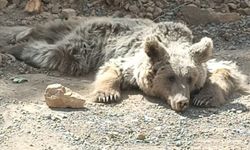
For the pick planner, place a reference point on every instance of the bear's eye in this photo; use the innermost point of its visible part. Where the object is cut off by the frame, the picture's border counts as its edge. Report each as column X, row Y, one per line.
column 189, row 80
column 171, row 78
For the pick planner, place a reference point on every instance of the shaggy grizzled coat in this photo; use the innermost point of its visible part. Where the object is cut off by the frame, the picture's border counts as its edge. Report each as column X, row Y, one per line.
column 159, row 58
column 79, row 47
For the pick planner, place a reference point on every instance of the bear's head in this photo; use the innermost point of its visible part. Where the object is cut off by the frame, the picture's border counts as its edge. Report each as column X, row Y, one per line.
column 174, row 69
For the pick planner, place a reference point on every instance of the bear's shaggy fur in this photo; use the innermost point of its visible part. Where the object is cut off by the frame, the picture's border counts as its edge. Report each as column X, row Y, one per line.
column 159, row 58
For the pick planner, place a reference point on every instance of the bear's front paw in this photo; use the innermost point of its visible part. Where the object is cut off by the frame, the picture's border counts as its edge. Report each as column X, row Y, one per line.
column 201, row 100
column 107, row 96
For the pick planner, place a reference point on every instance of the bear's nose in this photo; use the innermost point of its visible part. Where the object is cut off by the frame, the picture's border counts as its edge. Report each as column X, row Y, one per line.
column 180, row 103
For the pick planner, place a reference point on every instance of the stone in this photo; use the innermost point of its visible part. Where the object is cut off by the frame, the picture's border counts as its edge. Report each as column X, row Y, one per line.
column 109, row 2
column 157, row 11
column 3, row 4
column 159, row 4
column 150, row 9
column 218, row 1
column 211, row 4
column 68, row 13
column 197, row 2
column 118, row 14
column 232, row 6
column 194, row 15
column 33, row 6
column 227, row 17
column 16, row 2
column 144, row 1
column 56, row 9
column 245, row 3
column 141, row 136
column 133, row 9
column 58, row 96
column 223, row 8
column 117, row 2
column 244, row 11
column 127, row 6
column 149, row 15
column 226, row 36
column 12, row 6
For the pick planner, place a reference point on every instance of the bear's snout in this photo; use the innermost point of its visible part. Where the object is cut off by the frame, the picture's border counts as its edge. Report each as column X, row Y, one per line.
column 179, row 102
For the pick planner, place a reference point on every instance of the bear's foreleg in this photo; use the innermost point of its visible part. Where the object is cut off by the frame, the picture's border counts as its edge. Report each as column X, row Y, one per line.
column 211, row 95
column 107, row 84
column 219, row 85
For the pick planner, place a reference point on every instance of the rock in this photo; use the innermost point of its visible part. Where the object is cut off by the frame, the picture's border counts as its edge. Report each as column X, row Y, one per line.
column 133, row 9
column 45, row 14
column 56, row 9
column 159, row 4
column 144, row 1
column 57, row 95
column 118, row 14
column 33, row 6
column 141, row 136
column 226, row 36
column 178, row 143
column 68, row 13
column 127, row 6
column 245, row 3
column 196, row 16
column 245, row 11
column 18, row 79
column 227, row 17
column 150, row 9
column 149, row 15
column 223, row 8
column 16, row 2
column 232, row 6
column 3, row 4
column 109, row 2
column 218, row 1
column 117, row 2
column 197, row 2
column 239, row 111
column 12, row 6
column 211, row 4
column 157, row 11
column 141, row 14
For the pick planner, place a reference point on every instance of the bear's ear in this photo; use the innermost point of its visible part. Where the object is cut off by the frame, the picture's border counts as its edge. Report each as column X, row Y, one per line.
column 155, row 49
column 202, row 51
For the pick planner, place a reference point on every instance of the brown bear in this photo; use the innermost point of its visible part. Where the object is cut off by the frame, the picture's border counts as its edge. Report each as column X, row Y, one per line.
column 159, row 58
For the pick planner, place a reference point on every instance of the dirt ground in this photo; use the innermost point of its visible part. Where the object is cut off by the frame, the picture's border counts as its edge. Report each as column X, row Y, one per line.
column 137, row 122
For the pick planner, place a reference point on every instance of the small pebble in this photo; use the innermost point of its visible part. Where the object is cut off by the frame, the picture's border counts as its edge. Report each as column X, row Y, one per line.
column 141, row 136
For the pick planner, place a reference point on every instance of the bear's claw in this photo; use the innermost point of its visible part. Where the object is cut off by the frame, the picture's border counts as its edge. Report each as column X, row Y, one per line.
column 107, row 96
column 205, row 101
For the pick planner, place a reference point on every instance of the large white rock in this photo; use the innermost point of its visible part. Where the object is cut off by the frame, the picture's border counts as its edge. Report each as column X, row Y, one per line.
column 57, row 95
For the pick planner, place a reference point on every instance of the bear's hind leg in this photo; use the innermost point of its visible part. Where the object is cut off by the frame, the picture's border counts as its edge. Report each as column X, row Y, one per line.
column 50, row 32
column 107, row 84
column 43, row 55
